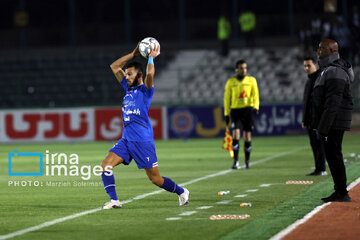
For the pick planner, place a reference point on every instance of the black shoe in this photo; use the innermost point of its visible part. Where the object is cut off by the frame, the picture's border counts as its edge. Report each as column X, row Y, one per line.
column 318, row 173
column 326, row 199
column 338, row 197
column 236, row 165
column 247, row 166
column 311, row 174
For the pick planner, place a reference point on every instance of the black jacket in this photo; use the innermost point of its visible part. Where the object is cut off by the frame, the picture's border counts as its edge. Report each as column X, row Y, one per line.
column 309, row 85
column 332, row 101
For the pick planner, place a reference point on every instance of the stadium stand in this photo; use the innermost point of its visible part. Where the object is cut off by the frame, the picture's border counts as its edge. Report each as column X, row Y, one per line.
column 278, row 71
column 60, row 78
column 83, row 77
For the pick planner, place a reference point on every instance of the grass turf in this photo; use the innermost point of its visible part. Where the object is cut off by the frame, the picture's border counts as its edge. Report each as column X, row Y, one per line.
column 274, row 207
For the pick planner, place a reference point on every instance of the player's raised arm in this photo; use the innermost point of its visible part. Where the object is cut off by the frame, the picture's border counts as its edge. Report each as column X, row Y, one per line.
column 150, row 69
column 117, row 66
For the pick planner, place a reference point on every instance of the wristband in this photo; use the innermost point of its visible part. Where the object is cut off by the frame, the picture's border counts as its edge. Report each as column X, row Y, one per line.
column 151, row 60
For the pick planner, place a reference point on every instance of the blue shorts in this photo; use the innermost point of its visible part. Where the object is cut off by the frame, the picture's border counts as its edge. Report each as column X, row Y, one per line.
column 142, row 152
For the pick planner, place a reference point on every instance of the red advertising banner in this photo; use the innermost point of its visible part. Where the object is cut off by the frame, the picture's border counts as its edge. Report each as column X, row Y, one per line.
column 156, row 119
column 47, row 125
column 108, row 124
column 75, row 124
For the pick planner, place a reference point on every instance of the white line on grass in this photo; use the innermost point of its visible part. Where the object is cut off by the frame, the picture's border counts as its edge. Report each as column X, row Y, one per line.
column 277, row 155
column 241, row 195
column 204, row 207
column 265, row 185
column 188, row 213
column 173, row 218
column 224, row 202
column 291, row 227
column 298, row 222
column 63, row 219
column 46, row 224
column 251, row 190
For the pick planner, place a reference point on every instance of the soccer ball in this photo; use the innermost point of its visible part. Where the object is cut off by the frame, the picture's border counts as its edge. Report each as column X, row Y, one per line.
column 145, row 44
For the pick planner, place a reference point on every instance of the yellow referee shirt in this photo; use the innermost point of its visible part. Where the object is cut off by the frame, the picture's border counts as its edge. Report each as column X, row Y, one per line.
column 241, row 94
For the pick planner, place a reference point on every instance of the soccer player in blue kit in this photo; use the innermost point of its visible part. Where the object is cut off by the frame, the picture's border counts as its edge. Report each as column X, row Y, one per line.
column 137, row 141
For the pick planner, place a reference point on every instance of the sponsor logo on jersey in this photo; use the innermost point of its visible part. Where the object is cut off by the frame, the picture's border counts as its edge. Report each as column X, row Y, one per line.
column 129, row 112
column 243, row 94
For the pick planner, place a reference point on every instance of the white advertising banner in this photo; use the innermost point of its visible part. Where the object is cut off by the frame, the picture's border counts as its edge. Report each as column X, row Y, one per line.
column 75, row 124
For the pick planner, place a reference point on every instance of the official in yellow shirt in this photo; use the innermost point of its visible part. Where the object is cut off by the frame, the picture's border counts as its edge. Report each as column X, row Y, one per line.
column 241, row 104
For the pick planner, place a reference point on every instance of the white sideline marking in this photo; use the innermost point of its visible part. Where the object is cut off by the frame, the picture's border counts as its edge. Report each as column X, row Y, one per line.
column 142, row 196
column 204, row 207
column 49, row 223
column 224, row 202
column 297, row 223
column 63, row 219
column 265, row 185
column 252, row 190
column 206, row 177
column 241, row 195
column 188, row 213
column 277, row 155
column 173, row 218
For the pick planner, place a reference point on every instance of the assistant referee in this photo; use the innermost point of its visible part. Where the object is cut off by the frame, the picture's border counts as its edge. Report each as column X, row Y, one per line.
column 241, row 104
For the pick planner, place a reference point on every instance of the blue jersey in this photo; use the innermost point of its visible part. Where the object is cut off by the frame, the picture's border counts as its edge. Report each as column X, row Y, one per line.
column 135, row 112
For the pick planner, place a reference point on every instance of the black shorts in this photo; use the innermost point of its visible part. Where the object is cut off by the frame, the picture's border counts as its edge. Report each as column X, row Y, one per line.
column 242, row 118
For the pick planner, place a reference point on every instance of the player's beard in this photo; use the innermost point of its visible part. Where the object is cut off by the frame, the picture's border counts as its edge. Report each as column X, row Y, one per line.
column 240, row 77
column 136, row 80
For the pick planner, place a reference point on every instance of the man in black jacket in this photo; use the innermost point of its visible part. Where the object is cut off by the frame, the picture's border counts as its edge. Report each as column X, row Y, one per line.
column 317, row 144
column 331, row 110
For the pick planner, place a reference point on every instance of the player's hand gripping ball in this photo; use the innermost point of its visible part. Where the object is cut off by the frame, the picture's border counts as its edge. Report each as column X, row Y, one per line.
column 145, row 45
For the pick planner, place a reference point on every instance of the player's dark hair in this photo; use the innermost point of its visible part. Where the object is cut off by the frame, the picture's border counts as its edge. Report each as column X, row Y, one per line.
column 312, row 58
column 138, row 66
column 239, row 62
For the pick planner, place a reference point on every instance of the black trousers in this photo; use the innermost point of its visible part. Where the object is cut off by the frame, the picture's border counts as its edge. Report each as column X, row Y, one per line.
column 317, row 146
column 335, row 159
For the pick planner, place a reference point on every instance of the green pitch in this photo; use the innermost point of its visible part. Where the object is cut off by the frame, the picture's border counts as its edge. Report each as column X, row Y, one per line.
column 197, row 163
